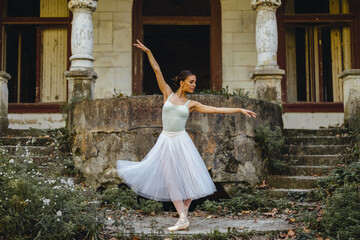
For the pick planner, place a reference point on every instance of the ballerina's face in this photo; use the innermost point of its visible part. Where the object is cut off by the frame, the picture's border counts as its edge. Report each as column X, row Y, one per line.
column 189, row 84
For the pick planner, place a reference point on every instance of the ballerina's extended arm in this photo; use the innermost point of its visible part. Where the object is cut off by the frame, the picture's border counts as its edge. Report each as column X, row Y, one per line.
column 164, row 87
column 198, row 107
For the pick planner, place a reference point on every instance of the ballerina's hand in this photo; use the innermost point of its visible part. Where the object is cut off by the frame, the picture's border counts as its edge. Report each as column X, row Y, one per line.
column 141, row 46
column 248, row 113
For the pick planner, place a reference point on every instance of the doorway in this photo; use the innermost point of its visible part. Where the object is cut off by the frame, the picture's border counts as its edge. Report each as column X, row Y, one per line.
column 182, row 35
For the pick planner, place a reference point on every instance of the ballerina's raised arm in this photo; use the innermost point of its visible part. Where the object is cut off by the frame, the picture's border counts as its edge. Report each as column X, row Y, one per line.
column 164, row 87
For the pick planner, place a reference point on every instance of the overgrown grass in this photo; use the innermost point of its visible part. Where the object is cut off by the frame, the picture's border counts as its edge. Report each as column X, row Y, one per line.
column 340, row 217
column 127, row 199
column 33, row 207
column 255, row 200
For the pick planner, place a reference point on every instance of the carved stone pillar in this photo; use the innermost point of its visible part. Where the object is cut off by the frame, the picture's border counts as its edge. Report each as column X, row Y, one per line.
column 81, row 77
column 267, row 74
column 4, row 98
column 351, row 88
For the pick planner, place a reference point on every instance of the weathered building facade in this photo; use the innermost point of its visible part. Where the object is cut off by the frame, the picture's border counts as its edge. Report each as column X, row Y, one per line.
column 294, row 52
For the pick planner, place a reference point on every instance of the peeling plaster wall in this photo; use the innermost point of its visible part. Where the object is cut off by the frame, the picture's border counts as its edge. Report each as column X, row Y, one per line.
column 38, row 120
column 312, row 120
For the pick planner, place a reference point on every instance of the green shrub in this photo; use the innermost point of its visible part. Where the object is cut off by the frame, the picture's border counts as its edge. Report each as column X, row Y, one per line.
column 32, row 207
column 354, row 149
column 341, row 219
column 338, row 177
column 125, row 198
column 271, row 143
column 148, row 206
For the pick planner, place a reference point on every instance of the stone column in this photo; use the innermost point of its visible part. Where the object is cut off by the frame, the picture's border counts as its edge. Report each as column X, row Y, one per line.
column 351, row 88
column 81, row 77
column 4, row 98
column 267, row 75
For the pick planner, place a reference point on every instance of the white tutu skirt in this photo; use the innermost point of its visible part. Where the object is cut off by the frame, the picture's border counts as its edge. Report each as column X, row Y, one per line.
column 173, row 170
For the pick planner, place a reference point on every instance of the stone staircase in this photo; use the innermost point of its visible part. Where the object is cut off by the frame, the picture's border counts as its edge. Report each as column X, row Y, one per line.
column 47, row 149
column 314, row 153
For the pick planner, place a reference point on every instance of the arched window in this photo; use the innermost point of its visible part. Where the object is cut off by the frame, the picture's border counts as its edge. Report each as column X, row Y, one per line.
column 316, row 42
column 182, row 35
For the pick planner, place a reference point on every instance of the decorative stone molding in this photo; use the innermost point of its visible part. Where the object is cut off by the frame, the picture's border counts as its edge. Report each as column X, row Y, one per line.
column 4, row 98
column 90, row 4
column 351, row 88
column 82, row 34
column 267, row 3
column 268, row 84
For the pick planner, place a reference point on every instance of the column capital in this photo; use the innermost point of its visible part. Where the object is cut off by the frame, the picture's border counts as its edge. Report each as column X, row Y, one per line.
column 273, row 4
column 90, row 4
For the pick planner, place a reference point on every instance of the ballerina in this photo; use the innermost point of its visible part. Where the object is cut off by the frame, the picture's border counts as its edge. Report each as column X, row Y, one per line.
column 173, row 170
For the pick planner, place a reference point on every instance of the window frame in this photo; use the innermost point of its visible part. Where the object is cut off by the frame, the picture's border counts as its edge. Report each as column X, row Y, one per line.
column 40, row 23
column 352, row 19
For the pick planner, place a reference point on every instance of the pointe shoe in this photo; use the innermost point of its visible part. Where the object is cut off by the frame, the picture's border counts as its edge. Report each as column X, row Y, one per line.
column 181, row 224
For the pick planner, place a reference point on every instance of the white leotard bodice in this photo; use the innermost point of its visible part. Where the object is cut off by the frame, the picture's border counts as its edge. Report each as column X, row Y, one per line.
column 174, row 116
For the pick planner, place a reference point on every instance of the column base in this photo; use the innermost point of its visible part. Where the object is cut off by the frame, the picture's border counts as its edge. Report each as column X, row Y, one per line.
column 4, row 123
column 81, row 84
column 268, row 84
column 351, row 87
column 4, row 95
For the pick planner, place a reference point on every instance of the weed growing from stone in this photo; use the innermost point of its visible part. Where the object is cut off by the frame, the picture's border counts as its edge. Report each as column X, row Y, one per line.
column 239, row 92
column 271, row 142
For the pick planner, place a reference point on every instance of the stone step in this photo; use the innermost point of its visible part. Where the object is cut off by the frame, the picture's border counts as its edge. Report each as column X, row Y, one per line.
column 309, row 170
column 31, row 132
column 315, row 160
column 41, row 159
column 285, row 192
column 318, row 140
column 294, row 182
column 32, row 150
column 315, row 132
column 28, row 141
column 315, row 149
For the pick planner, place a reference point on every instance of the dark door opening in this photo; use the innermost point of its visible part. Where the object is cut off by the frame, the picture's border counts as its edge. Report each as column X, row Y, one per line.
column 177, row 48
column 21, row 63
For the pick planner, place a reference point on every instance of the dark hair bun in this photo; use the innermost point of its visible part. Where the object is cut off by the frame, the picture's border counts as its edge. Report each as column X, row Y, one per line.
column 182, row 76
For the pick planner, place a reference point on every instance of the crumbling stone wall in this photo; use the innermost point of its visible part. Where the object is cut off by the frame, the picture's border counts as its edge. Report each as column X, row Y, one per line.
column 106, row 130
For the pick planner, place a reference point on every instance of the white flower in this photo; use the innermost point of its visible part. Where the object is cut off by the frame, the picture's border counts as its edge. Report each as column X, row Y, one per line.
column 45, row 201
column 27, row 200
column 59, row 213
column 123, row 208
column 11, row 161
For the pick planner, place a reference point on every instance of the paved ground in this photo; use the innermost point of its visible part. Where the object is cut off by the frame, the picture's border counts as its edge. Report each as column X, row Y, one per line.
column 203, row 223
